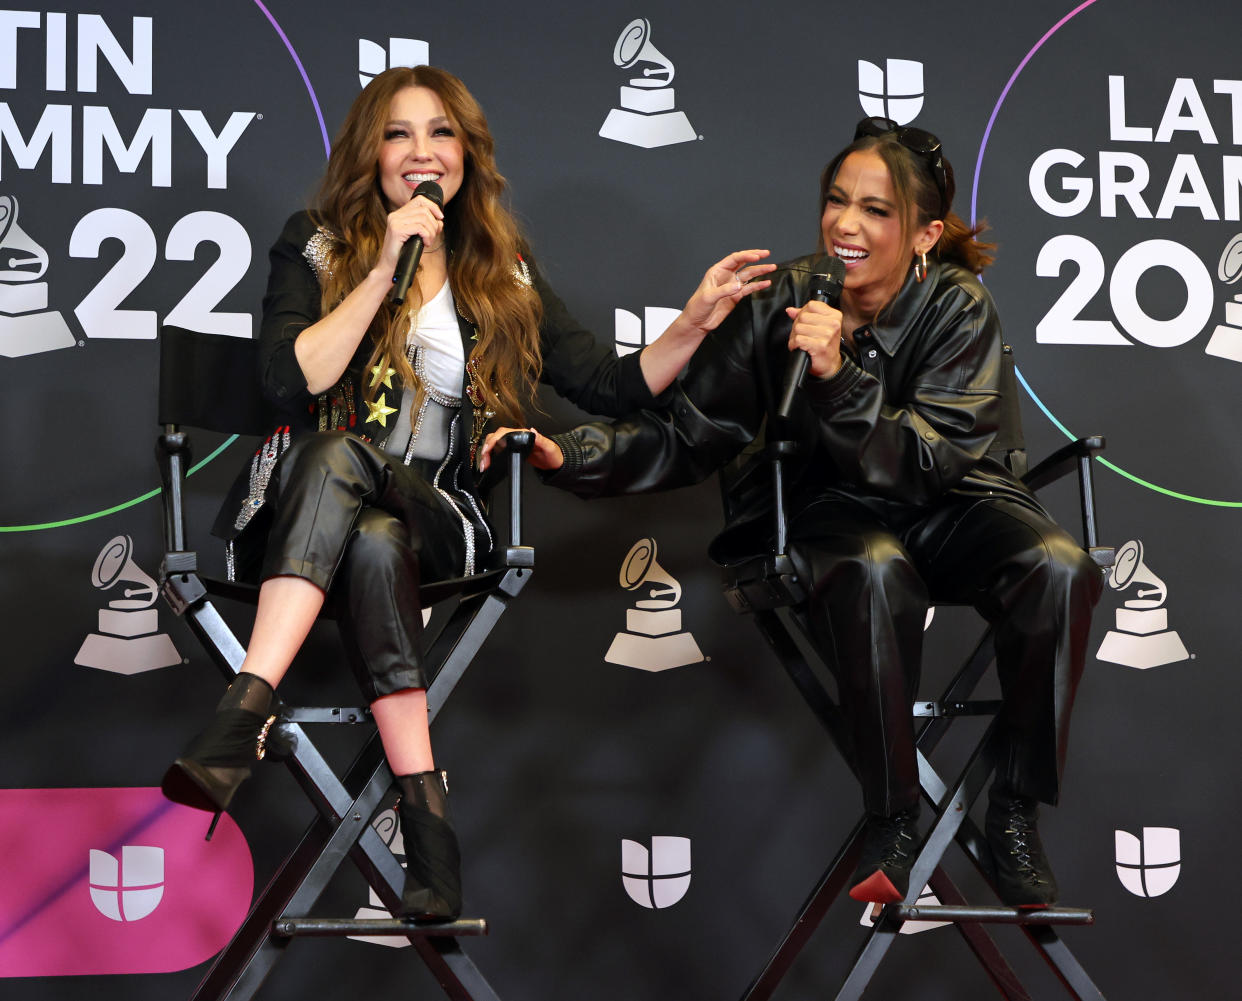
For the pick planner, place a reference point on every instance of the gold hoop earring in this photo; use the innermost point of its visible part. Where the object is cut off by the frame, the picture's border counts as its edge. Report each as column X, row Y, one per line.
column 920, row 268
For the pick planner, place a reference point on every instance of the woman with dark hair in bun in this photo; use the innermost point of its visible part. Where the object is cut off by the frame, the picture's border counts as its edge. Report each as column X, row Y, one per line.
column 893, row 497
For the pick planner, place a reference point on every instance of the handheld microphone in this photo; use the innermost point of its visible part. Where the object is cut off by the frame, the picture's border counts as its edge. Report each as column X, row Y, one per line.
column 827, row 289
column 407, row 263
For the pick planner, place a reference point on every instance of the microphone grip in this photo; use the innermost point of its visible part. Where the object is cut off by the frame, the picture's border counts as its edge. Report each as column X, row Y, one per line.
column 798, row 365
column 407, row 264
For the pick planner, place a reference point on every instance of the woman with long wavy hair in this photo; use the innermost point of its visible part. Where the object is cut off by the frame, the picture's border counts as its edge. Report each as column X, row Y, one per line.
column 368, row 487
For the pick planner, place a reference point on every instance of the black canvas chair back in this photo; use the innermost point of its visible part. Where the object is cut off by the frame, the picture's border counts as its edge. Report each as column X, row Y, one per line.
column 211, row 382
column 767, row 586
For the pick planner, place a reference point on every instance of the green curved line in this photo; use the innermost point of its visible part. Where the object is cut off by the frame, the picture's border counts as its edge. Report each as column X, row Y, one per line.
column 1114, row 467
column 117, row 507
column 1165, row 490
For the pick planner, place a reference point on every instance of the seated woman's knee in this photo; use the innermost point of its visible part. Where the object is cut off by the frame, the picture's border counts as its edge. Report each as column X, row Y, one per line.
column 378, row 538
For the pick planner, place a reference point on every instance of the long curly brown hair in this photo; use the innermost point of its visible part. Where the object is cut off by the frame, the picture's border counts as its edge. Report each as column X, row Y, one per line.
column 482, row 238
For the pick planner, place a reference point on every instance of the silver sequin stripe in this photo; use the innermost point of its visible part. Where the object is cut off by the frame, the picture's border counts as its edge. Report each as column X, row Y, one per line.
column 474, row 505
column 318, row 253
column 467, row 525
column 521, row 274
column 261, row 467
column 417, row 357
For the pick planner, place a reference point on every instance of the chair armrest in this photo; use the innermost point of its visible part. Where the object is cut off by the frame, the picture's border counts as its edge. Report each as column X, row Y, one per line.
column 1063, row 461
column 514, row 447
column 1076, row 456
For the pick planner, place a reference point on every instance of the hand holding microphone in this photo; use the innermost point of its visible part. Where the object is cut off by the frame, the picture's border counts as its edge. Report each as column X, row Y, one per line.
column 407, row 262
column 826, row 289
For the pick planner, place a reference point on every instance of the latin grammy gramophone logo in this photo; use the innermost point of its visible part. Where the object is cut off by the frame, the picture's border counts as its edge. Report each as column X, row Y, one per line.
column 27, row 326
column 128, row 640
column 1226, row 340
column 653, row 639
column 647, row 116
column 1142, row 638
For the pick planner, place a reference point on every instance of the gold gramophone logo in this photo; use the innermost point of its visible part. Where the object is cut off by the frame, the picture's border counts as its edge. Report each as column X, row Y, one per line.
column 1142, row 638
column 653, row 639
column 27, row 326
column 128, row 640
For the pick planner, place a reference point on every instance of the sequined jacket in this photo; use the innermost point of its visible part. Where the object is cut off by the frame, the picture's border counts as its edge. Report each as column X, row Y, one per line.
column 909, row 417
column 575, row 364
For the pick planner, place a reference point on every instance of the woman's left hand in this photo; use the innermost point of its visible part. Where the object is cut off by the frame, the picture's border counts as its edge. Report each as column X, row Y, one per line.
column 546, row 454
column 724, row 285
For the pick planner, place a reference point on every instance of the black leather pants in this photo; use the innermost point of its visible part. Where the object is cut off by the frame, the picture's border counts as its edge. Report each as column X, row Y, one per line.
column 875, row 567
column 365, row 529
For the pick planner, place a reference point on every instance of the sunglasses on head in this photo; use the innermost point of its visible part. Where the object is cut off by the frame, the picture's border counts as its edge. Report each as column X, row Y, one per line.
column 920, row 142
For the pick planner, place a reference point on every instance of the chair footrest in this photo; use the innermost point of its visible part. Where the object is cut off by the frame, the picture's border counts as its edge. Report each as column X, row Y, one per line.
column 992, row 915
column 326, row 714
column 289, row 927
column 936, row 710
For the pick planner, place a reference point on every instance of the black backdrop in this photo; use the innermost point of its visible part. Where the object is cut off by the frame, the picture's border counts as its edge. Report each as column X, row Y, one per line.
column 138, row 168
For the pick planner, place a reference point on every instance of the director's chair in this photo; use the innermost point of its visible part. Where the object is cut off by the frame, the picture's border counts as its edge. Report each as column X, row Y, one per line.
column 204, row 383
column 768, row 588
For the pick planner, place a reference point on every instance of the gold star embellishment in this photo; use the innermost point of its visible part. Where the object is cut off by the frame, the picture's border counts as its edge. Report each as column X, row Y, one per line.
column 379, row 412
column 386, row 378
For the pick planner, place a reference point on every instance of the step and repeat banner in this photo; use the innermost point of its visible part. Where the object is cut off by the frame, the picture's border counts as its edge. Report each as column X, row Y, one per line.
column 643, row 805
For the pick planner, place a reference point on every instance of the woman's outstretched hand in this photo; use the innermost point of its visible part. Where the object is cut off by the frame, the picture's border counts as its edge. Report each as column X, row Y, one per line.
column 546, row 453
column 724, row 285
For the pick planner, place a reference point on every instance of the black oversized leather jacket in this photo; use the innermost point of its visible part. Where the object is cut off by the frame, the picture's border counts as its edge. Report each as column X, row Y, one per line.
column 910, row 417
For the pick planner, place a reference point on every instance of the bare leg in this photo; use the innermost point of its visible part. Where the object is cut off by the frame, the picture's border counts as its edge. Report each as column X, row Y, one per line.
column 287, row 610
column 404, row 732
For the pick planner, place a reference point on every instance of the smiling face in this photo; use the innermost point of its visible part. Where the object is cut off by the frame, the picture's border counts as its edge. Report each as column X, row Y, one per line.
column 419, row 144
column 862, row 226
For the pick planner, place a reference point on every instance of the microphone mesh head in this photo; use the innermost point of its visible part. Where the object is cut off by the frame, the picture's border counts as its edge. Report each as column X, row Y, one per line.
column 431, row 191
column 827, row 287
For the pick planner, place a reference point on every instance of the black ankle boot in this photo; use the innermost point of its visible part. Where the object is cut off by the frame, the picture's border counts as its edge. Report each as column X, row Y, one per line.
column 432, row 889
column 883, row 873
column 1023, row 876
column 218, row 760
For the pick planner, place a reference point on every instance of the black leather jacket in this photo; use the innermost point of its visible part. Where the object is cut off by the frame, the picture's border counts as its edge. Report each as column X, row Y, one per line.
column 908, row 419
column 580, row 368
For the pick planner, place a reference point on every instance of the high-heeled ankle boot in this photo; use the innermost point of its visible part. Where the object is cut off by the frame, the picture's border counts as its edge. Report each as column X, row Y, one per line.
column 218, row 760
column 883, row 873
column 432, row 890
column 1023, row 876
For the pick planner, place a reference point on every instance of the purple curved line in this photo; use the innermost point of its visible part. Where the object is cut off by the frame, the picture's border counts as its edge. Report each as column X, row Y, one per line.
column 323, row 129
column 974, row 188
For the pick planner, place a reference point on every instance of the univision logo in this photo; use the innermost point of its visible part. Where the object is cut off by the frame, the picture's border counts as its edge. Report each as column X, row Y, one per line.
column 129, row 889
column 894, row 90
column 373, row 58
column 658, row 877
column 1150, row 865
